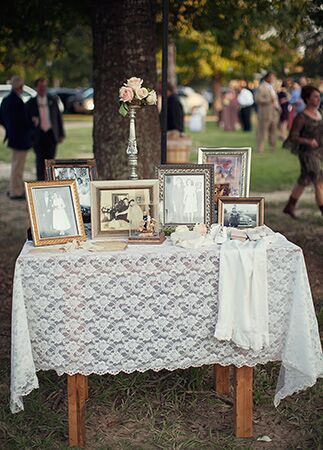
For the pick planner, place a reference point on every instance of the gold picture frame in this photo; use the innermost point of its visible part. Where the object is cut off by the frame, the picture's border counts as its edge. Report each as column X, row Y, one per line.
column 240, row 212
column 54, row 212
column 110, row 205
column 82, row 170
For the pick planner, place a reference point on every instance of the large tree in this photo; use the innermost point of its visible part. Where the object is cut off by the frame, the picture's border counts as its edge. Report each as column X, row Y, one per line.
column 124, row 45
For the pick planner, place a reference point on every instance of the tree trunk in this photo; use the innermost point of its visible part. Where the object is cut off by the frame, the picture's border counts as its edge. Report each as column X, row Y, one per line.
column 124, row 45
column 172, row 76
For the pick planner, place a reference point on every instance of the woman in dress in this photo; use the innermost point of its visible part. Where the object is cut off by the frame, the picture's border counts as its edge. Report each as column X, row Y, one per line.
column 306, row 140
column 61, row 222
column 190, row 202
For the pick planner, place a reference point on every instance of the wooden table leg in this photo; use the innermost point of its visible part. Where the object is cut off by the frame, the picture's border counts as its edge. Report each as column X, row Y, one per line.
column 77, row 387
column 221, row 379
column 243, row 402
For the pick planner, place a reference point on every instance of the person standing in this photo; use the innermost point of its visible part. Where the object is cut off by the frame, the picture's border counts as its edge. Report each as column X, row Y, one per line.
column 175, row 113
column 284, row 103
column 268, row 113
column 245, row 100
column 306, row 140
column 13, row 117
column 48, row 128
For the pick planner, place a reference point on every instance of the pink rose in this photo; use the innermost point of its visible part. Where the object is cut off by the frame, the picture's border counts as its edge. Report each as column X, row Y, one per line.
column 125, row 94
column 141, row 93
column 134, row 83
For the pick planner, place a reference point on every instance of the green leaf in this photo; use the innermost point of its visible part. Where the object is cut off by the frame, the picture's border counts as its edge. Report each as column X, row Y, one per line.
column 123, row 110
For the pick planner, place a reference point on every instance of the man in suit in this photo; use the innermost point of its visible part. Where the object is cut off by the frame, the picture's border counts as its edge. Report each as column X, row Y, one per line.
column 14, row 118
column 48, row 128
column 268, row 113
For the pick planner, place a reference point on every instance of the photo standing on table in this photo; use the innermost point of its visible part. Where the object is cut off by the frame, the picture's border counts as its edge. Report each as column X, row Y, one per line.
column 306, row 140
column 48, row 128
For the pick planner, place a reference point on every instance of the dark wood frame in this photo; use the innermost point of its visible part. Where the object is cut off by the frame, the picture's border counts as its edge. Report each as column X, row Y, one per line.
column 260, row 201
column 90, row 164
column 187, row 169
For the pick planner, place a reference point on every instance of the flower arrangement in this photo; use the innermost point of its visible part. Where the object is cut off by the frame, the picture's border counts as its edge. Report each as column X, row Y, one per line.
column 134, row 94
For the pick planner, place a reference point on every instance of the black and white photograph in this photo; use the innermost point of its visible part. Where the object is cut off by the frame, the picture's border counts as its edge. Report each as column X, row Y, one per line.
column 120, row 210
column 83, row 171
column 119, row 206
column 185, row 194
column 54, row 212
column 184, row 199
column 241, row 213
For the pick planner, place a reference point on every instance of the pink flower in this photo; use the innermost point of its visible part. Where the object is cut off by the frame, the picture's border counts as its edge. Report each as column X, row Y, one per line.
column 200, row 228
column 125, row 94
column 134, row 83
column 141, row 93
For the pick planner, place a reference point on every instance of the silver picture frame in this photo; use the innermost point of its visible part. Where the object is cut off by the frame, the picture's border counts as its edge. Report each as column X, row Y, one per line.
column 231, row 169
column 185, row 194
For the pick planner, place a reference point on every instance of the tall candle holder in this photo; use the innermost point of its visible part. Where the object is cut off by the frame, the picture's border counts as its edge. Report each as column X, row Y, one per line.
column 132, row 150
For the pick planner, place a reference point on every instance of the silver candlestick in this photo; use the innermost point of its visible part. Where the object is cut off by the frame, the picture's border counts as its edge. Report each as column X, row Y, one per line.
column 132, row 150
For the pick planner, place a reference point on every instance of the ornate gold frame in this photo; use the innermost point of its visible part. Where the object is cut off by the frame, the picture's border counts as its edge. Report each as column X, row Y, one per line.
column 38, row 241
column 259, row 201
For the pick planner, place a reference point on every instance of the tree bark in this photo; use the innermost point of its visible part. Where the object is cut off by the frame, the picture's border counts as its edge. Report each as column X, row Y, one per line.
column 124, row 45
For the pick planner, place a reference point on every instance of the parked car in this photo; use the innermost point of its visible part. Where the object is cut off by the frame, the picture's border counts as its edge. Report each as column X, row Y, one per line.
column 28, row 93
column 82, row 102
column 66, row 95
column 245, row 221
column 191, row 99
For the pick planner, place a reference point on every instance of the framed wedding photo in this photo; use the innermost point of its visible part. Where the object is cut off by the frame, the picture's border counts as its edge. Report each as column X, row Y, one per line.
column 119, row 205
column 185, row 194
column 54, row 211
column 241, row 212
column 81, row 170
column 231, row 170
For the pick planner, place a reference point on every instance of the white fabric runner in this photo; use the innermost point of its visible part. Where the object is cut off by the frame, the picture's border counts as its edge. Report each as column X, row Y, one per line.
column 243, row 304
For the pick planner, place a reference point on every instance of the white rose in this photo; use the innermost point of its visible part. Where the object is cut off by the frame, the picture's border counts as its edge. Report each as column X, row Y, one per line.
column 152, row 98
column 134, row 83
column 141, row 93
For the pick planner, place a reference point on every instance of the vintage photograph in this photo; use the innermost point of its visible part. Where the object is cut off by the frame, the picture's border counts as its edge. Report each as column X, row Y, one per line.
column 241, row 213
column 83, row 171
column 54, row 211
column 185, row 193
column 184, row 198
column 120, row 210
column 231, row 170
column 120, row 206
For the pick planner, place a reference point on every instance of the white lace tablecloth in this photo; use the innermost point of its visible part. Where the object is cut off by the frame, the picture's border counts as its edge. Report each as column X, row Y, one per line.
column 150, row 307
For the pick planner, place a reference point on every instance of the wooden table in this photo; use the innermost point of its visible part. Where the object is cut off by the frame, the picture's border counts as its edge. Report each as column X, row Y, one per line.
column 77, row 386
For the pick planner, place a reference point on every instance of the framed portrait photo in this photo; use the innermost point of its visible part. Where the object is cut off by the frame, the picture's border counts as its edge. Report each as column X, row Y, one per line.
column 241, row 212
column 54, row 211
column 118, row 206
column 231, row 170
column 185, row 194
column 81, row 170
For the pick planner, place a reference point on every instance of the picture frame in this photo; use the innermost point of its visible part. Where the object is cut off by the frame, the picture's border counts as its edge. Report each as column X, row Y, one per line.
column 231, row 169
column 116, row 204
column 54, row 211
column 82, row 170
column 240, row 212
column 185, row 194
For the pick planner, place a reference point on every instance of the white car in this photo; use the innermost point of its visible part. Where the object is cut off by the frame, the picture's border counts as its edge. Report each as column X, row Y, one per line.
column 28, row 93
column 191, row 99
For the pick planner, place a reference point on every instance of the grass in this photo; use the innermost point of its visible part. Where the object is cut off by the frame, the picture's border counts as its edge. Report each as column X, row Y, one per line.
column 269, row 172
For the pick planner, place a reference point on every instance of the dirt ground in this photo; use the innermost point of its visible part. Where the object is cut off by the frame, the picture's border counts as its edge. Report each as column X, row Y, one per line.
column 165, row 410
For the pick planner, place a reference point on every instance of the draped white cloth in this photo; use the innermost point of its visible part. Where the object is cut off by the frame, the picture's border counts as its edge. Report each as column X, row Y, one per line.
column 151, row 307
column 243, row 306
